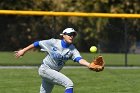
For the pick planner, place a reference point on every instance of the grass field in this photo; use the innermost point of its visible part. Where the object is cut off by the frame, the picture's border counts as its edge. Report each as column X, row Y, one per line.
column 85, row 81
column 35, row 58
column 109, row 81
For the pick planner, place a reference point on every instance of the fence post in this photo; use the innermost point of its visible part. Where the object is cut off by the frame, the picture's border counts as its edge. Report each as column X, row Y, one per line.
column 126, row 41
column 54, row 26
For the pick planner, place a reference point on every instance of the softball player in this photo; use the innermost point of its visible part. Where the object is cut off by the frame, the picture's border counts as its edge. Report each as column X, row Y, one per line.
column 58, row 52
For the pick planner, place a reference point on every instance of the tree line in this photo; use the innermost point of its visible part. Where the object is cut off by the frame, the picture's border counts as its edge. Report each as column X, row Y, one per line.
column 18, row 31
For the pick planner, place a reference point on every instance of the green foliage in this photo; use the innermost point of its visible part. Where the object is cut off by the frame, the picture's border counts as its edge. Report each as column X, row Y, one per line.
column 19, row 31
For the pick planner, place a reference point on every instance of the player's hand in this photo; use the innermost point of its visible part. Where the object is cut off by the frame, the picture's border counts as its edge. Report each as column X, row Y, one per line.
column 19, row 53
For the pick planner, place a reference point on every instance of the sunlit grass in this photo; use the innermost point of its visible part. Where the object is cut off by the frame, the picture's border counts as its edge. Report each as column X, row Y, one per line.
column 35, row 58
column 85, row 81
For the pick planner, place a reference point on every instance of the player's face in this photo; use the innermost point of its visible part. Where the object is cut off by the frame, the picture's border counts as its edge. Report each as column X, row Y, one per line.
column 69, row 37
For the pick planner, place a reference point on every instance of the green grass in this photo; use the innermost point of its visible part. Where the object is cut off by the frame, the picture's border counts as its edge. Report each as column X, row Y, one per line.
column 85, row 81
column 30, row 58
column 35, row 58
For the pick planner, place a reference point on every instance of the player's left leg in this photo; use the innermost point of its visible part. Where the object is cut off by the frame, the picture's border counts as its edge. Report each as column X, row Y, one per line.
column 61, row 79
column 56, row 77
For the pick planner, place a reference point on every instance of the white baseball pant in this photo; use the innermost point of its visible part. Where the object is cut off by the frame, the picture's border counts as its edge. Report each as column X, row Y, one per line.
column 51, row 77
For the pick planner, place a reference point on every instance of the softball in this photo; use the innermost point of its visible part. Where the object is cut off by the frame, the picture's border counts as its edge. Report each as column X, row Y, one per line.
column 93, row 49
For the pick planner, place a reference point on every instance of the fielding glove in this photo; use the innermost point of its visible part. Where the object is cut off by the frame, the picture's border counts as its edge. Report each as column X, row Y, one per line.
column 97, row 64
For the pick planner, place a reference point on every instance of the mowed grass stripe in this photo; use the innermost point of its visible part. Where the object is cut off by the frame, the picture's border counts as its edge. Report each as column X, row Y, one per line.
column 107, row 81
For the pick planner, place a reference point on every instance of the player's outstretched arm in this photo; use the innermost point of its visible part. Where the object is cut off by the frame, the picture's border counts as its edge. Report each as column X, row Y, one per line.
column 96, row 65
column 21, row 52
column 84, row 62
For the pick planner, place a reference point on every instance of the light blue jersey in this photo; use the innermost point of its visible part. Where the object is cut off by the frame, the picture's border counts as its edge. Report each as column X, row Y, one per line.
column 58, row 52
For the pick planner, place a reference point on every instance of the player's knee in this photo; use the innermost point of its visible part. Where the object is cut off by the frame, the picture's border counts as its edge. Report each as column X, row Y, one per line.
column 69, row 85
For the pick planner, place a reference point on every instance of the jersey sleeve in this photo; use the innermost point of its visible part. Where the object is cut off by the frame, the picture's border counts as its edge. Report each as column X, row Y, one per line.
column 36, row 44
column 42, row 43
column 77, row 59
column 46, row 44
column 76, row 55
